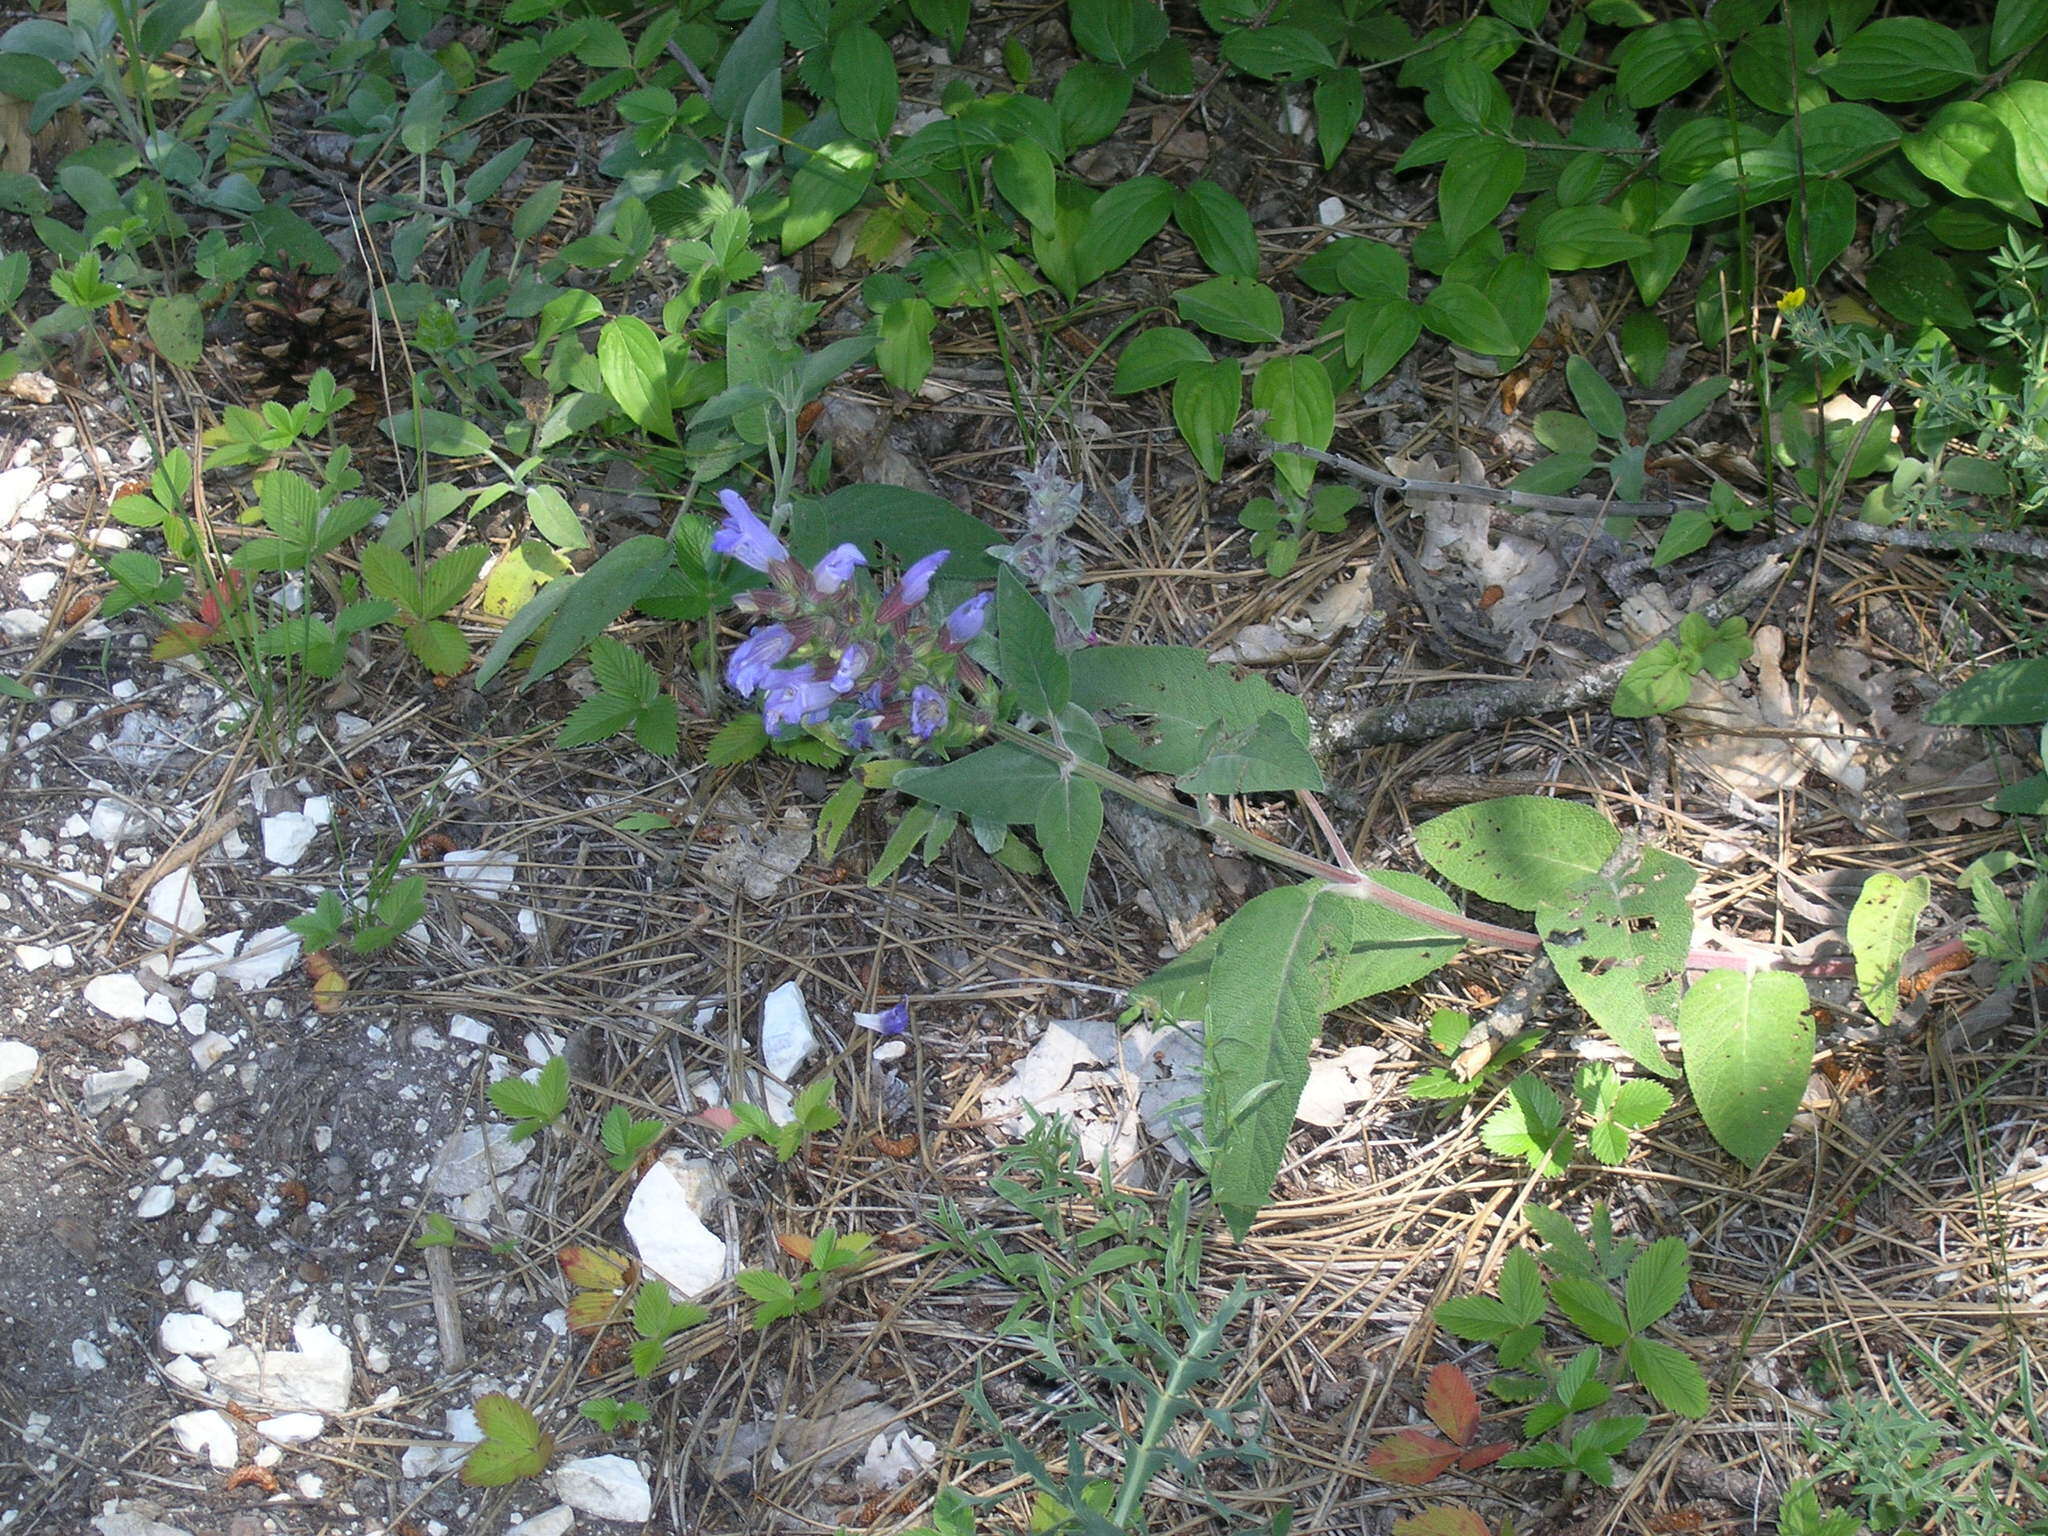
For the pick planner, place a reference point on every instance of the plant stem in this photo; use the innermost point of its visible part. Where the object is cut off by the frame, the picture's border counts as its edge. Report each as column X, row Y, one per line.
column 1743, row 955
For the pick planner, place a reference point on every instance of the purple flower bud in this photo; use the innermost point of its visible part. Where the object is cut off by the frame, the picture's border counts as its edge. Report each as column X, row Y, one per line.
column 836, row 569
column 966, row 621
column 927, row 713
column 754, row 659
column 890, row 1021
column 860, row 731
column 911, row 590
column 853, row 661
column 795, row 698
column 745, row 537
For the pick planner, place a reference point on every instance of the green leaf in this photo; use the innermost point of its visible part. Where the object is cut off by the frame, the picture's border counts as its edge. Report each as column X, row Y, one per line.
column 1366, row 269
column 1900, row 58
column 1656, row 63
column 1656, row 682
column 1267, row 989
column 554, row 519
column 1479, row 1318
column 1519, row 850
column 1596, row 397
column 1748, row 1044
column 1478, row 179
column 836, row 815
column 1275, row 53
column 1300, row 407
column 388, row 574
column 177, row 329
column 1656, row 1282
column 1157, row 356
column 1240, row 308
column 1670, row 1375
column 1220, row 228
column 830, row 181
column 1068, row 826
column 513, row 1446
column 1001, row 783
column 1681, row 412
column 449, row 579
column 1378, row 335
column 1023, row 173
column 1206, row 397
column 2008, row 693
column 634, row 368
column 1521, row 1288
column 1590, row 1307
column 1641, row 1102
column 1966, row 148
column 1466, row 317
column 1120, row 32
column 904, row 349
column 1091, row 99
column 544, row 1099
column 622, row 671
column 739, row 740
column 1757, row 177
column 1171, row 709
column 1620, row 943
column 1028, row 658
column 1880, row 931
column 1120, row 222
column 1339, row 103
column 1530, row 1125
column 2016, row 25
column 600, row 595
column 596, row 719
column 424, row 431
column 864, row 82
column 439, row 645
column 911, row 524
column 1587, row 235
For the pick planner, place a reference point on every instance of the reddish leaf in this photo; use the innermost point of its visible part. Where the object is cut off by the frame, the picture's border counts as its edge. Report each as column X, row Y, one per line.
column 1451, row 1404
column 1484, row 1455
column 1411, row 1457
column 718, row 1117
column 1443, row 1520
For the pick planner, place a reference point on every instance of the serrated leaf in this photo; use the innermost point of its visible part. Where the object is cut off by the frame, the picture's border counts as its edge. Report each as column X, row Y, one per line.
column 1521, row 1288
column 1669, row 1375
column 388, row 574
column 1451, row 1404
column 1520, row 850
column 1880, row 931
column 1641, row 1102
column 1530, row 1125
column 1656, row 1282
column 1411, row 1458
column 1479, row 1318
column 1620, row 944
column 622, row 671
column 1590, row 1307
column 449, row 578
column 598, row 718
column 440, row 647
column 1748, row 1045
column 740, row 740
column 513, row 1446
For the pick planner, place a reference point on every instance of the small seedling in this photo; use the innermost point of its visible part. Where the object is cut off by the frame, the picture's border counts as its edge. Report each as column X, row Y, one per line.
column 608, row 1413
column 657, row 1318
column 513, row 1445
column 536, row 1104
column 626, row 1137
column 776, row 1297
column 1534, row 1124
column 809, row 1114
column 630, row 697
column 1416, row 1457
column 422, row 597
column 389, row 916
column 1447, row 1031
column 437, row 1231
column 1580, row 1287
column 1660, row 679
column 1799, row 1514
column 602, row 1279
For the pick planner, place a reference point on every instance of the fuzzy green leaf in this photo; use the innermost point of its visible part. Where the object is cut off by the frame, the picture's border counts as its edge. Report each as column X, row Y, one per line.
column 1748, row 1043
column 1880, row 931
column 1520, row 850
column 1619, row 943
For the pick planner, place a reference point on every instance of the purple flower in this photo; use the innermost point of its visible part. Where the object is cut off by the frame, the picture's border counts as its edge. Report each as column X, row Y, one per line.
column 911, row 590
column 754, row 659
column 860, row 731
column 796, row 698
column 966, row 621
column 836, row 569
column 927, row 713
column 853, row 661
column 745, row 537
column 890, row 1021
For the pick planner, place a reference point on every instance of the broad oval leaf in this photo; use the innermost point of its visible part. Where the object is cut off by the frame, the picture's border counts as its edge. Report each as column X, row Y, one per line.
column 1519, row 850
column 1619, row 943
column 634, row 368
column 1220, row 228
column 600, row 595
column 1880, row 931
column 1240, row 308
column 2009, row 693
column 1748, row 1046
column 428, row 431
